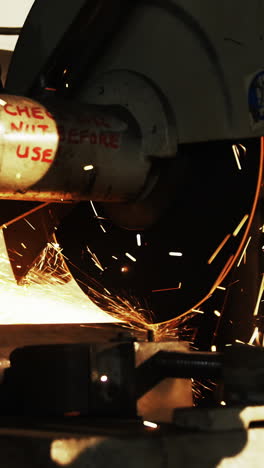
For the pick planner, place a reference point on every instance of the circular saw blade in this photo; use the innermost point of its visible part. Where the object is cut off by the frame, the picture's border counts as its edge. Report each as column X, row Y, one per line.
column 176, row 264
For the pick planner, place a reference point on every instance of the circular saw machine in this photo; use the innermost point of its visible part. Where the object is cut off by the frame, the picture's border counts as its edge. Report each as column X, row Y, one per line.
column 153, row 130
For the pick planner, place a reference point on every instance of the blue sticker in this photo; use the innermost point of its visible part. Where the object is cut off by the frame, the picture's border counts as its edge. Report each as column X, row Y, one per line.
column 256, row 97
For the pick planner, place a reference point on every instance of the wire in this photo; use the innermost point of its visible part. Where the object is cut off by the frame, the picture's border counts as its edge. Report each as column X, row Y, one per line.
column 9, row 31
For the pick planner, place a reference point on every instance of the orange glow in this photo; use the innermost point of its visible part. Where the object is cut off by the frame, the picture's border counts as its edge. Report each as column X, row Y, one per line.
column 49, row 295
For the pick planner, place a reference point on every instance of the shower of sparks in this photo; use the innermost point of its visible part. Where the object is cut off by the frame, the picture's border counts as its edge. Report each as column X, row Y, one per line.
column 175, row 254
column 139, row 240
column 244, row 252
column 241, row 224
column 128, row 255
column 217, row 313
column 211, row 259
column 32, row 227
column 237, row 155
column 167, row 289
column 260, row 294
column 213, row 348
column 150, row 424
column 48, row 294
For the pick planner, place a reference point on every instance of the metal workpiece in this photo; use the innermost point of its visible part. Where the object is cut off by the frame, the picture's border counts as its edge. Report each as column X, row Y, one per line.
column 68, row 152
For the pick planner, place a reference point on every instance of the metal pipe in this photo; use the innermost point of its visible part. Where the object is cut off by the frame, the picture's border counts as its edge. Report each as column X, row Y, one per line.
column 65, row 152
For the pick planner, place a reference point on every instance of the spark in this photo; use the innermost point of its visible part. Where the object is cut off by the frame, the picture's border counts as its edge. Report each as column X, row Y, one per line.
column 17, row 253
column 139, row 240
column 175, row 254
column 260, row 293
column 211, row 259
column 98, row 265
column 244, row 251
column 95, row 259
column 97, row 216
column 223, row 403
column 19, row 266
column 254, row 336
column 243, row 148
column 236, row 154
column 115, row 258
column 108, row 292
column 241, row 224
column 128, row 255
column 23, row 245
column 213, row 348
column 94, row 209
column 29, row 224
column 66, row 85
column 88, row 168
column 217, row 313
column 167, row 289
column 104, row 378
column 198, row 311
column 221, row 287
column 124, row 269
column 262, row 228
column 150, row 424
column 240, row 342
column 2, row 102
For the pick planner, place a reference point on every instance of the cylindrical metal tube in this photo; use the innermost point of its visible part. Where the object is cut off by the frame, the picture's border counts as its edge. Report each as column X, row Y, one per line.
column 69, row 152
